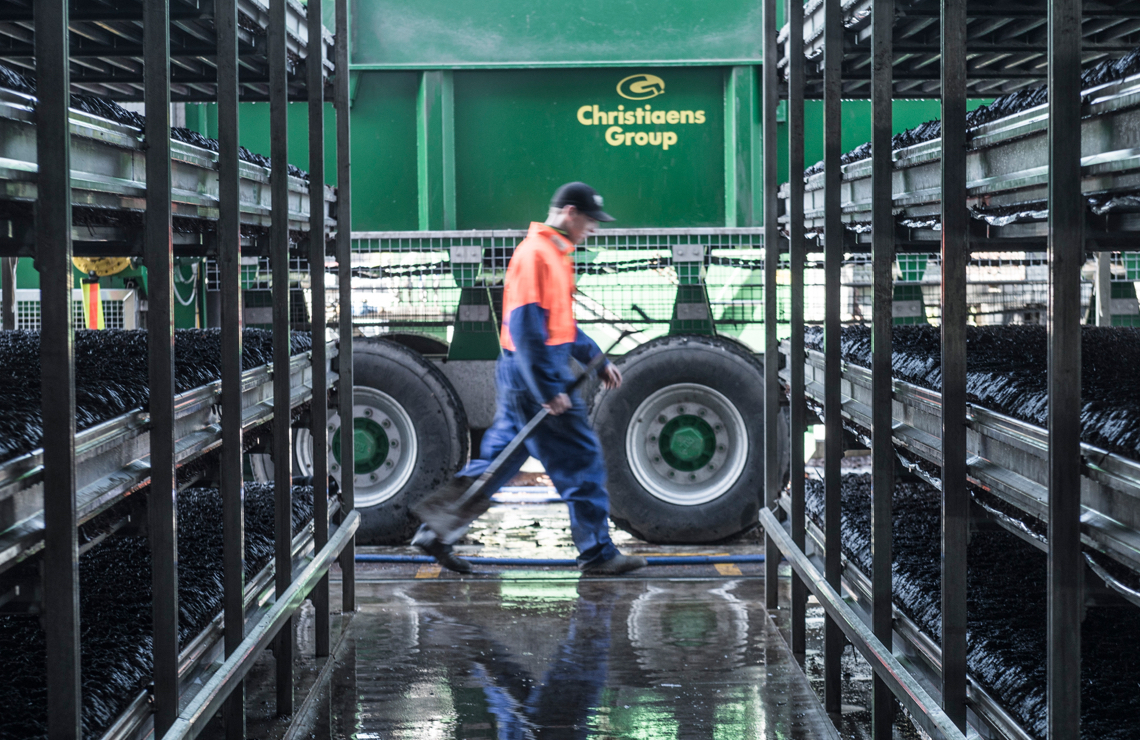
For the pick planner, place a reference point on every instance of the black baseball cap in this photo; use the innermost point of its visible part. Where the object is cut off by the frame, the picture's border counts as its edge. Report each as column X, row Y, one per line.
column 583, row 197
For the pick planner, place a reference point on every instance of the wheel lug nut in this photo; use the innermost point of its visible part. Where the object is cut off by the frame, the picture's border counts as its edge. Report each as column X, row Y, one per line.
column 712, row 467
column 368, row 412
column 394, row 443
column 332, row 427
column 652, row 437
column 692, row 476
column 335, row 467
column 657, row 458
column 702, row 412
column 386, row 423
column 662, row 418
column 372, row 477
column 680, row 409
column 388, row 464
column 721, row 448
column 671, row 474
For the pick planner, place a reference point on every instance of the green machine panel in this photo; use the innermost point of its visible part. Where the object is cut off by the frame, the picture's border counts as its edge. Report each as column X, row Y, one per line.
column 651, row 140
column 444, row 34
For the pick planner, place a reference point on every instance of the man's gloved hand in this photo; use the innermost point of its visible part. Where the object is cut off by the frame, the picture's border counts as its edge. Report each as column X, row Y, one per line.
column 611, row 376
column 558, row 404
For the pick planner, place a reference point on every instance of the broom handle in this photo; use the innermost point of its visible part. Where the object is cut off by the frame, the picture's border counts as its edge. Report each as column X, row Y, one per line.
column 520, row 439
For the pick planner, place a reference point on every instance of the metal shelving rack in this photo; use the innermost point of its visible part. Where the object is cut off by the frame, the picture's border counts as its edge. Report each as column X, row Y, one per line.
column 58, row 159
column 1051, row 157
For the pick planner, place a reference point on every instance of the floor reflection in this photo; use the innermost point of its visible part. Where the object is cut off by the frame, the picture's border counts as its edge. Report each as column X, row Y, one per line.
column 546, row 655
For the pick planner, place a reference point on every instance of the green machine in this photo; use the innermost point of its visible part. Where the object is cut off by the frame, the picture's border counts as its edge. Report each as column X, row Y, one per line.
column 465, row 119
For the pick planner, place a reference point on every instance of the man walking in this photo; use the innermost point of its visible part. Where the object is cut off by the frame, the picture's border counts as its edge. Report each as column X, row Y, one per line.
column 539, row 336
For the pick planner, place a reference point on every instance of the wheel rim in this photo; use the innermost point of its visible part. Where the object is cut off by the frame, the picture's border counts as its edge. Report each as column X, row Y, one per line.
column 384, row 447
column 687, row 444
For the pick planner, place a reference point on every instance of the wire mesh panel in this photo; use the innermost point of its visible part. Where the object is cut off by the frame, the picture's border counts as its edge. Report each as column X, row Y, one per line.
column 430, row 282
column 1002, row 288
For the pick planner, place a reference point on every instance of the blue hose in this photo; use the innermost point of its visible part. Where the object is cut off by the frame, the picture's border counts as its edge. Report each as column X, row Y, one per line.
column 652, row 560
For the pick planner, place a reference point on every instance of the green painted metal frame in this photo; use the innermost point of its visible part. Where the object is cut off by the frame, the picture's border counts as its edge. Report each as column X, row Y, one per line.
column 435, row 150
column 743, row 185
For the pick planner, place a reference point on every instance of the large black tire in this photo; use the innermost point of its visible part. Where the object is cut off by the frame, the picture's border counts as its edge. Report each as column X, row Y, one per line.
column 442, row 439
column 399, row 396
column 690, row 467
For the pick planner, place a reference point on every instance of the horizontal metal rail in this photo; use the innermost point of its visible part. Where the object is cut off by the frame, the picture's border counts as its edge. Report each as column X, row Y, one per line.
column 112, row 458
column 987, row 709
column 208, row 700
column 906, row 687
column 1007, row 457
column 1007, row 169
column 432, row 241
column 108, row 172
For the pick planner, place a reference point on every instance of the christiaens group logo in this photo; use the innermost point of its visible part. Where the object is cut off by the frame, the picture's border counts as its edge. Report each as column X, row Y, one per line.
column 641, row 87
column 618, row 121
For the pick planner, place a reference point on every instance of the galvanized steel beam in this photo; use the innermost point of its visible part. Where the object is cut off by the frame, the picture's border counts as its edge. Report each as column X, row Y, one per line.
column 1066, row 256
column 955, row 256
column 882, row 321
column 833, row 259
column 344, row 282
column 319, row 409
column 772, row 477
column 797, row 256
column 159, row 256
column 57, row 368
column 282, row 418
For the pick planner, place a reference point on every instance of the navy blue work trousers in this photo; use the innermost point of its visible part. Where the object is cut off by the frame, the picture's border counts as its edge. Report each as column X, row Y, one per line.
column 565, row 445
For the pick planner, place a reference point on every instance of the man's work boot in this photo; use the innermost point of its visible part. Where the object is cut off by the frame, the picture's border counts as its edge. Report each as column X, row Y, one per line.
column 426, row 540
column 614, row 566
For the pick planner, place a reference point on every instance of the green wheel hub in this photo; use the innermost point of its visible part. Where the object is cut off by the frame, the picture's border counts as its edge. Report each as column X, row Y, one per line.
column 369, row 445
column 687, row 442
column 384, row 448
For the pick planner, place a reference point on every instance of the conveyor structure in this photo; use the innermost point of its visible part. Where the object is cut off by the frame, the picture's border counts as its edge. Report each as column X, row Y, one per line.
column 73, row 182
column 1047, row 169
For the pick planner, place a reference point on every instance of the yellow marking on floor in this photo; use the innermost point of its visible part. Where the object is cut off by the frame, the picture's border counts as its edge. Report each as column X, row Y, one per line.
column 429, row 570
column 728, row 569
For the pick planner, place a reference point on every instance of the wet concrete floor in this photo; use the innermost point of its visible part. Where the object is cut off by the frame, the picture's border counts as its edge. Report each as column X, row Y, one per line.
column 534, row 652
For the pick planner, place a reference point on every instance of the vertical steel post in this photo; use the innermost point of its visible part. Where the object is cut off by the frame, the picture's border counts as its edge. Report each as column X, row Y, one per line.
column 344, row 276
column 833, row 260
column 57, row 368
column 319, row 408
column 159, row 257
column 1066, row 256
column 8, row 300
column 229, row 278
column 797, row 255
column 1102, row 289
column 772, row 477
column 882, row 320
column 955, row 256
column 282, row 411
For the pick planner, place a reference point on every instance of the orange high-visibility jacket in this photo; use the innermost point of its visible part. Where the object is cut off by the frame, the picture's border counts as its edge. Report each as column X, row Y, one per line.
column 541, row 272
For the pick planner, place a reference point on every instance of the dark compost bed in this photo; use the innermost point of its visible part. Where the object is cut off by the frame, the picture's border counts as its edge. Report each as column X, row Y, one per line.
column 111, row 375
column 1006, row 608
column 1007, row 373
column 115, row 610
